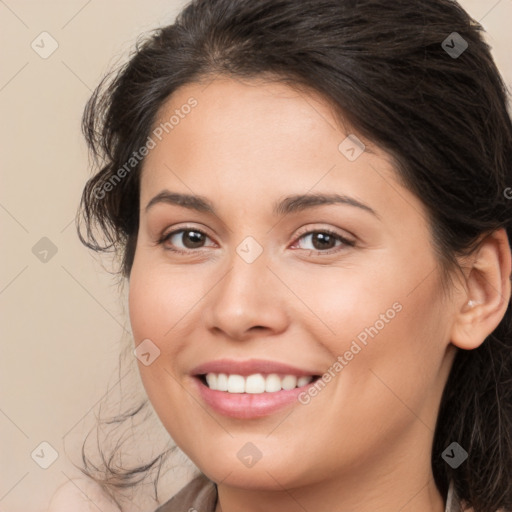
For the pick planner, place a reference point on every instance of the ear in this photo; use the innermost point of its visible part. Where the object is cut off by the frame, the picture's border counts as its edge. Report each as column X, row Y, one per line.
column 487, row 296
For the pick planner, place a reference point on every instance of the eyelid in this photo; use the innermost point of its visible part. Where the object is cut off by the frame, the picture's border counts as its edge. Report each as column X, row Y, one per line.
column 323, row 229
column 345, row 241
column 166, row 235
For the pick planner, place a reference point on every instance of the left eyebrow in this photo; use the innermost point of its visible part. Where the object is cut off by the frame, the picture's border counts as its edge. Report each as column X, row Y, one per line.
column 296, row 203
column 285, row 206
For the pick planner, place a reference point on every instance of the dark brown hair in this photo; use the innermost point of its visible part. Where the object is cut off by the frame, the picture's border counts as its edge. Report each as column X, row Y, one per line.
column 392, row 71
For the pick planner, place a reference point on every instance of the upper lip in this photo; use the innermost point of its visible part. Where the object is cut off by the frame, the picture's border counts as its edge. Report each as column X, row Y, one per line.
column 249, row 367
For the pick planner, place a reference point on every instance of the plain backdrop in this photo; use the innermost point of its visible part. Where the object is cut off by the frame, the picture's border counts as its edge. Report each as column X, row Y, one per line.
column 64, row 321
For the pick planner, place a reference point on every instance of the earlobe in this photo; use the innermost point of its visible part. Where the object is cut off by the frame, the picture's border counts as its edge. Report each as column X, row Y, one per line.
column 487, row 294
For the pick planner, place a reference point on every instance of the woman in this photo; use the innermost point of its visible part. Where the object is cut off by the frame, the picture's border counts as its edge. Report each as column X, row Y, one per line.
column 310, row 203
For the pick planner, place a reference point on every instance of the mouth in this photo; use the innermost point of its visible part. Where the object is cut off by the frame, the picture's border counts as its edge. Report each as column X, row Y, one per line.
column 250, row 388
column 256, row 383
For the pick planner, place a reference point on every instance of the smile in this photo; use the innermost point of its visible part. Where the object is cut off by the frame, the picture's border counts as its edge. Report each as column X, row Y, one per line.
column 255, row 384
column 250, row 389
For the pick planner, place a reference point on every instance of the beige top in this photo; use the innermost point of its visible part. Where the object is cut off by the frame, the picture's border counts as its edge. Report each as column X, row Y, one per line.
column 200, row 495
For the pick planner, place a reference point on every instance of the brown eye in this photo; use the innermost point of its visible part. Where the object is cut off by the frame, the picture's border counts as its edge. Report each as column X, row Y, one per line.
column 184, row 240
column 325, row 241
column 191, row 239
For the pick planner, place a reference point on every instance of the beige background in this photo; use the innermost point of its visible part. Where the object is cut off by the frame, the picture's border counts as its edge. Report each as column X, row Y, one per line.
column 64, row 321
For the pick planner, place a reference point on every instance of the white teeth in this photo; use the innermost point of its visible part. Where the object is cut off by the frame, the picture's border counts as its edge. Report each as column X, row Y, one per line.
column 236, row 384
column 302, row 381
column 222, row 382
column 289, row 382
column 272, row 383
column 255, row 383
column 211, row 380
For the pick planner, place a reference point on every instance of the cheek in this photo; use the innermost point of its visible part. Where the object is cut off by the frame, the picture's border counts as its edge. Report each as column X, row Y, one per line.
column 157, row 301
column 160, row 299
column 400, row 363
column 385, row 324
column 342, row 302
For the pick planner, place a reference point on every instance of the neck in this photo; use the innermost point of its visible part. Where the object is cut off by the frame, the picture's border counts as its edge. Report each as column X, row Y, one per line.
column 401, row 480
column 339, row 497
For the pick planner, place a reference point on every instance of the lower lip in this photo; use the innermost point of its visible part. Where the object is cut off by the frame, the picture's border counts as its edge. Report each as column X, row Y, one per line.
column 248, row 405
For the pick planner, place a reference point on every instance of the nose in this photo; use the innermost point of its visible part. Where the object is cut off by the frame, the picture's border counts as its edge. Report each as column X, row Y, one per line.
column 249, row 300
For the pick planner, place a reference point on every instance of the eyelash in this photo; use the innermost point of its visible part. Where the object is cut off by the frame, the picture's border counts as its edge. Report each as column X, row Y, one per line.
column 337, row 236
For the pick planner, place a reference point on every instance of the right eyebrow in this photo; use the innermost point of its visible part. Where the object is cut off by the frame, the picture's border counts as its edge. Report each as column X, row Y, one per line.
column 189, row 201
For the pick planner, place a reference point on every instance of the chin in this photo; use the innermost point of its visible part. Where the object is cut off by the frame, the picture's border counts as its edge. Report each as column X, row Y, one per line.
column 247, row 478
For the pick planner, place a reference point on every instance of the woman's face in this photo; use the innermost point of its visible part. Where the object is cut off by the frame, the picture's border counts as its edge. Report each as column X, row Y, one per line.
column 346, row 289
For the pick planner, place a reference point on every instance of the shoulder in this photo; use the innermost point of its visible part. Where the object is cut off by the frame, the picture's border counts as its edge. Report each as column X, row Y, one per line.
column 199, row 495
column 81, row 495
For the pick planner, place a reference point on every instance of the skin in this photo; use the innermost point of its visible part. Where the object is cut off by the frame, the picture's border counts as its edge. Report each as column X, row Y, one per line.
column 364, row 442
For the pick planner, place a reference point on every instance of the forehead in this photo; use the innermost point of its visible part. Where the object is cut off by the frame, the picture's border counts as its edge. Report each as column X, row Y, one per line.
column 248, row 120
column 257, row 137
column 238, row 118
